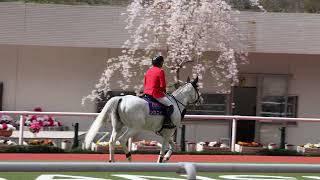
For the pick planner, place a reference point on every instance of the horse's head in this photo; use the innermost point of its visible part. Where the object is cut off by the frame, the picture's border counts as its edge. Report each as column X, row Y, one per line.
column 189, row 92
column 195, row 96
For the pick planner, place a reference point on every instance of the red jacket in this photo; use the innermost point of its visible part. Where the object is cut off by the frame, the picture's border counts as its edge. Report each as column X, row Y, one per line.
column 155, row 82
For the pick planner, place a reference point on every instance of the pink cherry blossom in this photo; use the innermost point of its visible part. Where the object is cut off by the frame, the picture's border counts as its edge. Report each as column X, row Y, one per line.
column 182, row 31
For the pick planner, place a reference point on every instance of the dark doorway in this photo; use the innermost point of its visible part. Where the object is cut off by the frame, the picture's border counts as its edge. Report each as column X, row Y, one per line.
column 245, row 100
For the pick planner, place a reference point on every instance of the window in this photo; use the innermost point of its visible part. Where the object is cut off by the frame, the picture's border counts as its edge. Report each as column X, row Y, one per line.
column 213, row 104
column 110, row 94
column 275, row 106
column 275, row 101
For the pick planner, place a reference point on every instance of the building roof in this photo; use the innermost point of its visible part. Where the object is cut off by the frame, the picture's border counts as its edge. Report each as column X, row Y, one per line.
column 103, row 26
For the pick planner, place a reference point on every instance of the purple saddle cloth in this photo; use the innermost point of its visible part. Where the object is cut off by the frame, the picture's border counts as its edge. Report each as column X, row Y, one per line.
column 155, row 108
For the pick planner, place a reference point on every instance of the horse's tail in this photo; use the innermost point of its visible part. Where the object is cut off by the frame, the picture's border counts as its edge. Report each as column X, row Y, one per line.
column 109, row 108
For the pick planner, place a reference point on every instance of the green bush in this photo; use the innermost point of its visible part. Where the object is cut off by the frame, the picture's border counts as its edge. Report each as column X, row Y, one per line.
column 51, row 149
column 82, row 151
column 279, row 152
column 31, row 149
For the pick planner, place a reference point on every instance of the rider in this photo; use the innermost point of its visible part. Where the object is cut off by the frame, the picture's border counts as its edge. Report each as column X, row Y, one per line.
column 155, row 86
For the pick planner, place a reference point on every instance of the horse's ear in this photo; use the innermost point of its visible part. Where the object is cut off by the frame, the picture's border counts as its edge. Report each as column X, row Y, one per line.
column 188, row 79
column 195, row 81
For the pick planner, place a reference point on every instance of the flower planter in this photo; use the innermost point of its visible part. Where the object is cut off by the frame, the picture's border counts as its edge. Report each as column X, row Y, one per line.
column 191, row 147
column 47, row 142
column 218, row 148
column 140, row 147
column 146, row 145
column 105, row 149
column 66, row 145
column 290, row 147
column 5, row 133
column 215, row 146
column 247, row 149
column 213, row 149
column 308, row 151
column 272, row 146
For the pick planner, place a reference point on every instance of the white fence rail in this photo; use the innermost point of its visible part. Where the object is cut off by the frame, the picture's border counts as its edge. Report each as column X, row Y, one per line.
column 190, row 169
column 187, row 168
column 234, row 120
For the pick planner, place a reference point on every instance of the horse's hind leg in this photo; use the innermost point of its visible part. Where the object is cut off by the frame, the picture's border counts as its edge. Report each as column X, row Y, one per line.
column 124, row 139
column 112, row 142
column 112, row 145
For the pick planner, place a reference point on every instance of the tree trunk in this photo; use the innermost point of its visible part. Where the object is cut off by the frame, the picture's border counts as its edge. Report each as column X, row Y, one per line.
column 177, row 79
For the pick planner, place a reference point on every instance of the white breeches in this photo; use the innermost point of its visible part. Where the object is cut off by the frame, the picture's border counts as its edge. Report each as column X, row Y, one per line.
column 165, row 101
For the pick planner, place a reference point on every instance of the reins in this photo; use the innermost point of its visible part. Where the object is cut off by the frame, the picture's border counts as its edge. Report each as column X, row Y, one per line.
column 179, row 102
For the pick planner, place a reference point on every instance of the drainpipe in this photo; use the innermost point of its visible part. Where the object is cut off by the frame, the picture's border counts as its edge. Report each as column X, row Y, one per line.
column 76, row 133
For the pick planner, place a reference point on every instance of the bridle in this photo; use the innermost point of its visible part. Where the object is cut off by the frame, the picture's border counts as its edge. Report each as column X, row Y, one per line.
column 197, row 94
column 185, row 105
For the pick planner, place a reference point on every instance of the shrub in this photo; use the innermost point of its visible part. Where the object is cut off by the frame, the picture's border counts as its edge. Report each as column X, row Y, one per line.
column 279, row 152
column 31, row 149
column 82, row 151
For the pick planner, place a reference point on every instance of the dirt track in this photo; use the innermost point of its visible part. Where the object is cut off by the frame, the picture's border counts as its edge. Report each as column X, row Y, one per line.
column 152, row 158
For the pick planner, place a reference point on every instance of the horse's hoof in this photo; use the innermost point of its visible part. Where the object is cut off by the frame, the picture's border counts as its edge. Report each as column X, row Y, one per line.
column 160, row 159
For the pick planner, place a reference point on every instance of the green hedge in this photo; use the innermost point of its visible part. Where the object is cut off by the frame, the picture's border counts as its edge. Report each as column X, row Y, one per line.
column 31, row 149
column 81, row 151
column 279, row 152
column 51, row 149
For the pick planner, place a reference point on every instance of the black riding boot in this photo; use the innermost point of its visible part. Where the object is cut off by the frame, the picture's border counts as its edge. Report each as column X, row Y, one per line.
column 167, row 119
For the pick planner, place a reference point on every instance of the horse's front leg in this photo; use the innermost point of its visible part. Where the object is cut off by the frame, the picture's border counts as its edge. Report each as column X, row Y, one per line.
column 171, row 149
column 165, row 142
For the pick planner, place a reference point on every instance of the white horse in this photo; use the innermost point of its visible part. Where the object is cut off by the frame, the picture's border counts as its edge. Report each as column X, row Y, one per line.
column 132, row 112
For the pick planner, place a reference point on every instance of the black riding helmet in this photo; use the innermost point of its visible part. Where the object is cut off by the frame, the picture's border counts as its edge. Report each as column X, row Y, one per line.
column 157, row 61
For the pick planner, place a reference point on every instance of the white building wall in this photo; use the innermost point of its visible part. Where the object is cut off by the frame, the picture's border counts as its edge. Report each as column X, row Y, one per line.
column 8, row 75
column 303, row 83
column 103, row 26
column 62, row 25
column 56, row 78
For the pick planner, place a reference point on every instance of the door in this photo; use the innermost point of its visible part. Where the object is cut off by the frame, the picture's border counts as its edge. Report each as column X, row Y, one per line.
column 244, row 104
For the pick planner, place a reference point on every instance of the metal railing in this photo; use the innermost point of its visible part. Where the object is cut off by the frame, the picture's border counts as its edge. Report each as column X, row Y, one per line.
column 187, row 168
column 24, row 113
column 190, row 169
column 193, row 118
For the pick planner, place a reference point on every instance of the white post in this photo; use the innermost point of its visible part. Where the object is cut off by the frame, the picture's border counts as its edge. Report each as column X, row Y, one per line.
column 130, row 144
column 234, row 134
column 21, row 130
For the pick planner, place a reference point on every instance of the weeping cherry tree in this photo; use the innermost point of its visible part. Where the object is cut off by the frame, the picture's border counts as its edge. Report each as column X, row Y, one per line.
column 182, row 31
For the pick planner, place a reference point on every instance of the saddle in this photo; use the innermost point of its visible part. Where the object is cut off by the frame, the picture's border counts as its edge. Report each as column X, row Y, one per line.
column 155, row 107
